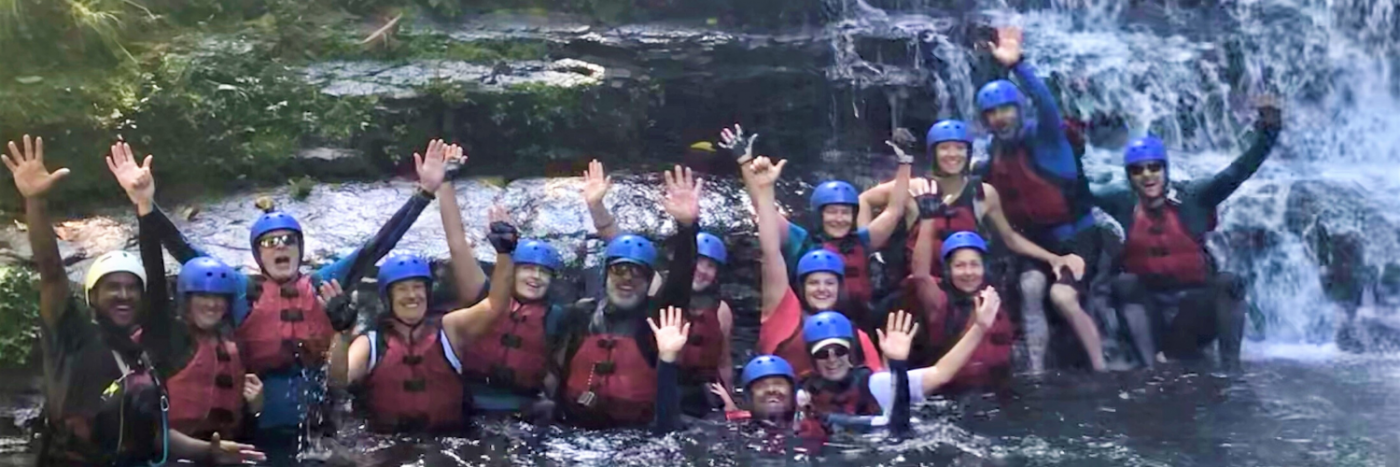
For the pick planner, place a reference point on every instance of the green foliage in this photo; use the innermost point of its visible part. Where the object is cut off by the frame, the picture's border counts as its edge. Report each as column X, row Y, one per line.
column 301, row 187
column 19, row 314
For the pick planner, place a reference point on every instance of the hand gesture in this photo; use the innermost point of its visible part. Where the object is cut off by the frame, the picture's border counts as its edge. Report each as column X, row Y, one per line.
column 135, row 178
column 683, row 195
column 1007, row 48
column 1270, row 113
column 670, row 335
column 454, row 158
column 763, row 173
column 228, row 452
column 898, row 335
column 595, row 183
column 718, row 389
column 329, row 291
column 988, row 305
column 737, row 143
column 919, row 186
column 1074, row 262
column 432, row 169
column 502, row 232
column 253, row 392
column 32, row 179
column 902, row 138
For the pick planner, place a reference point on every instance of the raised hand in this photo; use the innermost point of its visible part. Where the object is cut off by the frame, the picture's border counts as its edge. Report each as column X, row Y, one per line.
column 988, row 305
column 718, row 389
column 1007, row 48
column 683, row 195
column 135, row 178
column 898, row 335
column 596, row 183
column 253, row 392
column 502, row 232
column 228, row 452
column 1074, row 262
column 737, row 143
column 432, row 168
column 1270, row 112
column 671, row 334
column 454, row 158
column 763, row 173
column 902, row 138
column 31, row 177
column 329, row 291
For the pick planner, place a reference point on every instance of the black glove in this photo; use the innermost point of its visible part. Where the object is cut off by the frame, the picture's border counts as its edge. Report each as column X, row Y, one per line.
column 503, row 237
column 930, row 205
column 1270, row 118
column 342, row 315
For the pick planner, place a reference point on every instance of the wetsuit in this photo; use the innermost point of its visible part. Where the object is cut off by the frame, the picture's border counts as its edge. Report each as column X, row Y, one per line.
column 1167, row 270
column 288, row 389
column 203, row 371
column 605, row 361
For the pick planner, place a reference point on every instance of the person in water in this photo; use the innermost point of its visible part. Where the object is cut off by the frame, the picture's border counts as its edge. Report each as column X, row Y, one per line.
column 820, row 275
column 1044, row 194
column 284, row 330
column 103, row 397
column 1170, row 292
column 603, row 370
column 706, row 359
column 837, row 202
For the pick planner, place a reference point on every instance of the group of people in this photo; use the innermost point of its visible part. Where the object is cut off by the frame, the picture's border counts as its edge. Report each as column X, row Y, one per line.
column 147, row 375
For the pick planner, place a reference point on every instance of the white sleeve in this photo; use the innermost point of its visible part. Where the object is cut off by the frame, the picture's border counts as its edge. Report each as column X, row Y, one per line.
column 882, row 387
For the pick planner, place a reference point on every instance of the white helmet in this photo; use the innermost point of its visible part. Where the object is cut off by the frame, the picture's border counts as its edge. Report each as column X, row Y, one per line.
column 110, row 262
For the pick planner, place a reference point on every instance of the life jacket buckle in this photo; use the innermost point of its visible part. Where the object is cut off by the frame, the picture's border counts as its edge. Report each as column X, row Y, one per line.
column 291, row 315
column 604, row 368
column 223, row 381
column 412, row 360
column 502, row 373
column 606, row 344
column 289, row 290
column 415, row 385
column 511, row 341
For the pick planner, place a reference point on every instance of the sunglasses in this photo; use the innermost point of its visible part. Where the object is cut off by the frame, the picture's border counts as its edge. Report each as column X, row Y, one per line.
column 625, row 271
column 274, row 241
column 829, row 351
column 1137, row 169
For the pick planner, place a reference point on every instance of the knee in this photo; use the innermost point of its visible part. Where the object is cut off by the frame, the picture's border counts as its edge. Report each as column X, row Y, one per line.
column 1230, row 285
column 1126, row 287
column 1033, row 283
column 1063, row 296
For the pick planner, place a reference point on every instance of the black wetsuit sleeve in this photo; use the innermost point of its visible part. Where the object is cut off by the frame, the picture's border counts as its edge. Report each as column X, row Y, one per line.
column 900, row 413
column 169, row 236
column 668, row 398
column 1222, row 185
column 157, row 331
column 676, row 291
column 387, row 237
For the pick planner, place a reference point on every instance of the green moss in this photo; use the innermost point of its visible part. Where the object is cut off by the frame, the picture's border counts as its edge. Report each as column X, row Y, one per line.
column 301, row 187
column 19, row 315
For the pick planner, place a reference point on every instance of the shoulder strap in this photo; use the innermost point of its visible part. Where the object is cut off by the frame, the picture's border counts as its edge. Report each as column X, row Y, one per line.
column 448, row 352
column 979, row 198
column 376, row 343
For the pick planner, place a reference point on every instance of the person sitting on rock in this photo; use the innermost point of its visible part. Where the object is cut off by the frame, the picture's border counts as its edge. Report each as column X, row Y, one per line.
column 278, row 319
column 104, row 399
column 603, row 369
column 820, row 277
column 836, row 203
column 1170, row 293
column 707, row 357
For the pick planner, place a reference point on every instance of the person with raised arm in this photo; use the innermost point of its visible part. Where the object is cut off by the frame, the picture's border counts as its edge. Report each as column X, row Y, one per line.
column 104, row 400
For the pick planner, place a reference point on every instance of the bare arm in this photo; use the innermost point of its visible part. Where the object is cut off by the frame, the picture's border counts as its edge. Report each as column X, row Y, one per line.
column 726, row 360
column 877, row 196
column 760, row 176
column 358, row 359
column 34, row 181
column 465, row 325
column 466, row 271
column 947, row 367
column 883, row 226
column 1014, row 241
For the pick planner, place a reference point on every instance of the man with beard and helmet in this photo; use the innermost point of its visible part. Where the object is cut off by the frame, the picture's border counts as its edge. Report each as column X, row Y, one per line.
column 1170, row 292
column 282, row 328
column 707, row 358
column 603, row 371
column 836, row 203
column 1045, row 196
column 820, row 283
column 103, row 400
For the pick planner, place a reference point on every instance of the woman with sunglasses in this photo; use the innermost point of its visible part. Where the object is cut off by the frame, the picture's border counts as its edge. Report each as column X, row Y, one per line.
column 1170, row 292
column 820, row 279
column 278, row 319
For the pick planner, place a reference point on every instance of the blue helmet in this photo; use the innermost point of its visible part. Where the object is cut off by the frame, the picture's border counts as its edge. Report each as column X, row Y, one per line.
column 834, row 192
column 1145, row 149
column 827, row 325
column 207, row 275
column 764, row 366
column 960, row 240
column 820, row 260
column 270, row 221
column 633, row 249
column 996, row 94
column 536, row 252
column 401, row 267
column 947, row 130
column 711, row 247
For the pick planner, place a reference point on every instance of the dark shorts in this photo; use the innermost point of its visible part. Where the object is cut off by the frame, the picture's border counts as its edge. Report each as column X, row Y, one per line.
column 1087, row 244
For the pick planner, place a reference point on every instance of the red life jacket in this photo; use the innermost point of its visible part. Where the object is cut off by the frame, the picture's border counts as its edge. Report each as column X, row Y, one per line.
column 1030, row 197
column 515, row 353
column 280, row 329
column 857, row 278
column 1159, row 245
column 700, row 359
column 960, row 216
column 622, row 382
column 415, row 386
column 993, row 354
column 856, row 399
column 206, row 396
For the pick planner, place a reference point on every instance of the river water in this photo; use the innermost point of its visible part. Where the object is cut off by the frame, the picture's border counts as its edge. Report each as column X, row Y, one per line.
column 1184, row 70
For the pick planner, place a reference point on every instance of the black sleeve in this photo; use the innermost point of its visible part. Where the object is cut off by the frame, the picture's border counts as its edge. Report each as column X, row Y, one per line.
column 668, row 398
column 899, row 414
column 387, row 237
column 169, row 236
column 158, row 327
column 676, row 291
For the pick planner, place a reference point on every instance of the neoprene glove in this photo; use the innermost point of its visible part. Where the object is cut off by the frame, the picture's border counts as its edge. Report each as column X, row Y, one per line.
column 503, row 237
column 930, row 205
